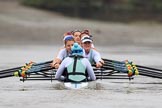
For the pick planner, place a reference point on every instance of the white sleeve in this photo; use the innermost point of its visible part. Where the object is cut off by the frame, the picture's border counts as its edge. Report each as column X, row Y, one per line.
column 61, row 54
column 96, row 56
column 61, row 69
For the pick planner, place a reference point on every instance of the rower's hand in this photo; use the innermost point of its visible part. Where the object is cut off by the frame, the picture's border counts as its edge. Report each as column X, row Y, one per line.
column 100, row 64
column 55, row 65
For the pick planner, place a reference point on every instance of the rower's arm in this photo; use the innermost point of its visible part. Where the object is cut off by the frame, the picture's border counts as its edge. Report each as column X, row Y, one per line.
column 60, row 69
column 57, row 61
column 97, row 59
column 97, row 56
column 89, row 70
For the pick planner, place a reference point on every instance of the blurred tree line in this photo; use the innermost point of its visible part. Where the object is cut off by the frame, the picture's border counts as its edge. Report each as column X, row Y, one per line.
column 109, row 10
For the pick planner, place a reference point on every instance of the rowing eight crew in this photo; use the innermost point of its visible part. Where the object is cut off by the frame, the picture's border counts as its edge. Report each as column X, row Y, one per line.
column 88, row 51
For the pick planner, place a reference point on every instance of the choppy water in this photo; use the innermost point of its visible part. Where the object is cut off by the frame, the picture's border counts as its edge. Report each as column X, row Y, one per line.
column 142, row 92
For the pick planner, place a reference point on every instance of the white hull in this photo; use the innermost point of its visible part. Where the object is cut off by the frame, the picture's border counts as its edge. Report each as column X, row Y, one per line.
column 75, row 86
column 70, row 85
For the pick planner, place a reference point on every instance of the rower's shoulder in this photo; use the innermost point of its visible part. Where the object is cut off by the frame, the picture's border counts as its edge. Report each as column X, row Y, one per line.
column 67, row 59
column 62, row 48
column 95, row 50
column 85, row 60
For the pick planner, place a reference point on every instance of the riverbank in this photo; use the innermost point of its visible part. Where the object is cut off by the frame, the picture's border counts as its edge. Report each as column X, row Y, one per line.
column 22, row 25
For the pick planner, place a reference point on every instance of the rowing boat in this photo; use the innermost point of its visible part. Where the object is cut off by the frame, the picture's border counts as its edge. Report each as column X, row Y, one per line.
column 110, row 70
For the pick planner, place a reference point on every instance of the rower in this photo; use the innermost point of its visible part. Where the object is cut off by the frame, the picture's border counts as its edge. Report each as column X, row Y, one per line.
column 90, row 53
column 76, row 34
column 69, row 39
column 64, row 52
column 75, row 67
column 86, row 33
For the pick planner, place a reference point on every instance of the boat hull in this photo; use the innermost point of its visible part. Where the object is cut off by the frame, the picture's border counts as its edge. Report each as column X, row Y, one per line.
column 72, row 85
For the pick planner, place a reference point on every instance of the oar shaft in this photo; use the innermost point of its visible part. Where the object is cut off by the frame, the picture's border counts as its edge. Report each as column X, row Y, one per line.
column 149, row 71
column 149, row 68
column 12, row 71
column 150, row 75
column 40, row 66
column 17, row 68
column 9, row 70
column 5, row 76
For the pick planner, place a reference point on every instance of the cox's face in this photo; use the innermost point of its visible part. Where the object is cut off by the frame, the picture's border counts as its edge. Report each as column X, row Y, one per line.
column 68, row 45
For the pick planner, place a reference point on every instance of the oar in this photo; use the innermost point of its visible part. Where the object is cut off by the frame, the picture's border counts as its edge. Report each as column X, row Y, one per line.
column 34, row 70
column 42, row 65
column 150, row 74
column 138, row 66
column 16, row 68
column 143, row 70
column 6, row 75
column 9, row 74
column 115, row 67
column 144, row 67
column 26, row 73
column 12, row 70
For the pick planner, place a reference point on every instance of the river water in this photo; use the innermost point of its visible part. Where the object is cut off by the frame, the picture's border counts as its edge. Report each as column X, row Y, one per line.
column 142, row 92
